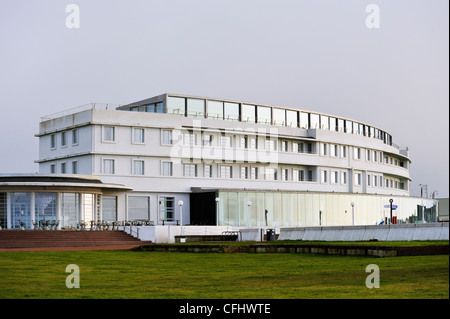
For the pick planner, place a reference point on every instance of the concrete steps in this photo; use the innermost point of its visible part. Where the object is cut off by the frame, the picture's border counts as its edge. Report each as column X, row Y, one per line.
column 20, row 239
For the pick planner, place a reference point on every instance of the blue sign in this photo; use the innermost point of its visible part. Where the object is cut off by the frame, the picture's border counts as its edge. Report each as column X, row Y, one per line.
column 394, row 207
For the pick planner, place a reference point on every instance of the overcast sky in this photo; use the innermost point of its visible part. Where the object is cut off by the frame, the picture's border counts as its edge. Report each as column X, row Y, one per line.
column 313, row 55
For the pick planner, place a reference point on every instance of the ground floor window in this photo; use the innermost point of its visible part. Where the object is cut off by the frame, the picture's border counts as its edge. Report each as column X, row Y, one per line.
column 109, row 208
column 166, row 209
column 138, row 208
column 3, row 211
column 20, row 210
column 70, row 209
column 45, row 207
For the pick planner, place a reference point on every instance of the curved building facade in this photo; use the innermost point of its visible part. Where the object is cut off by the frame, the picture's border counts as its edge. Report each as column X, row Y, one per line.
column 233, row 163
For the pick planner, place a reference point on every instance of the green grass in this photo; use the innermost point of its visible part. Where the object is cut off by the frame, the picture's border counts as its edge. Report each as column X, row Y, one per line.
column 136, row 275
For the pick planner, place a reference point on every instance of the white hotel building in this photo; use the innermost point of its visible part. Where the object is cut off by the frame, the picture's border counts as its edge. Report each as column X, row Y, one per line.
column 230, row 162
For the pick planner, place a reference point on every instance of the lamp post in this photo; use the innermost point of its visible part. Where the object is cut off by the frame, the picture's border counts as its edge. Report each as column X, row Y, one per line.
column 217, row 210
column 180, row 203
column 353, row 213
column 249, row 203
column 390, row 202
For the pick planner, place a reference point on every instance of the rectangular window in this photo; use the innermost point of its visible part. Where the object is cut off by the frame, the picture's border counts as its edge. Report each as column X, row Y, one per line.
column 167, row 209
column 375, row 179
column 284, row 174
column 254, row 172
column 231, row 111
column 138, row 135
column 271, row 145
column 189, row 139
column 315, row 121
column 138, row 208
column 244, row 172
column 167, row 137
column 291, row 118
column 63, row 168
column 333, row 150
column 63, row 139
column 109, row 208
column 324, row 177
column 264, row 115
column 109, row 133
column 226, row 141
column 53, row 168
column 369, row 180
column 53, row 141
column 176, row 105
column 208, row 171
column 138, row 167
column 244, row 142
column 195, row 108
column 253, row 143
column 75, row 137
column 324, row 149
column 324, row 122
column 304, row 120
column 248, row 113
column 334, row 177
column 309, row 176
column 215, row 110
column 207, row 140
column 75, row 167
column 357, row 153
column 226, row 171
column 279, row 116
column 271, row 174
column 284, row 146
column 343, row 151
column 357, row 178
column 369, row 152
column 190, row 170
column 298, row 175
column 108, row 166
column 344, row 177
column 167, row 168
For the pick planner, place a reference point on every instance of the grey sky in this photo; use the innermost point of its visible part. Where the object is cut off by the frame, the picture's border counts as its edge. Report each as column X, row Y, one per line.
column 315, row 55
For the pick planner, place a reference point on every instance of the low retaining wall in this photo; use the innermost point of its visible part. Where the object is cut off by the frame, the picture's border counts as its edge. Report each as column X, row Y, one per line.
column 400, row 232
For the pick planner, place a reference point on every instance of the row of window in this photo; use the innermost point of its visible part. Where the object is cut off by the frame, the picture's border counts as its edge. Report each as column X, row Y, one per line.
column 66, row 137
column 222, row 110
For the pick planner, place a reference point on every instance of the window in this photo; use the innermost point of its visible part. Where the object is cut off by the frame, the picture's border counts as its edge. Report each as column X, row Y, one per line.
column 333, row 150
column 309, row 176
column 207, row 140
column 63, row 139
column 291, row 118
column 344, row 177
column 109, row 208
column 75, row 167
column 167, row 137
column 63, row 168
column 271, row 174
column 138, row 208
column 357, row 153
column 304, row 120
column 109, row 133
column 167, row 209
column 248, row 113
column 176, row 105
column 231, row 111
column 279, row 116
column 53, row 168
column 369, row 179
column 208, row 171
column 298, row 175
column 53, row 141
column 284, row 146
column 375, row 179
column 253, row 143
column 357, row 178
column 108, row 166
column 254, row 172
column 324, row 177
column 189, row 139
column 264, row 115
column 226, row 141
column 226, row 171
column 75, row 137
column 138, row 135
column 190, row 170
column 334, row 177
column 284, row 174
column 314, row 121
column 138, row 167
column 167, row 168
column 324, row 122
column 244, row 172
column 324, row 149
column 369, row 152
column 244, row 142
column 381, row 181
column 215, row 110
column 195, row 108
column 271, row 145
column 343, row 151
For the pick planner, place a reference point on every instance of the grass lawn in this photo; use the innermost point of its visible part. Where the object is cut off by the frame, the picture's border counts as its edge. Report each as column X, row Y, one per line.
column 135, row 275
